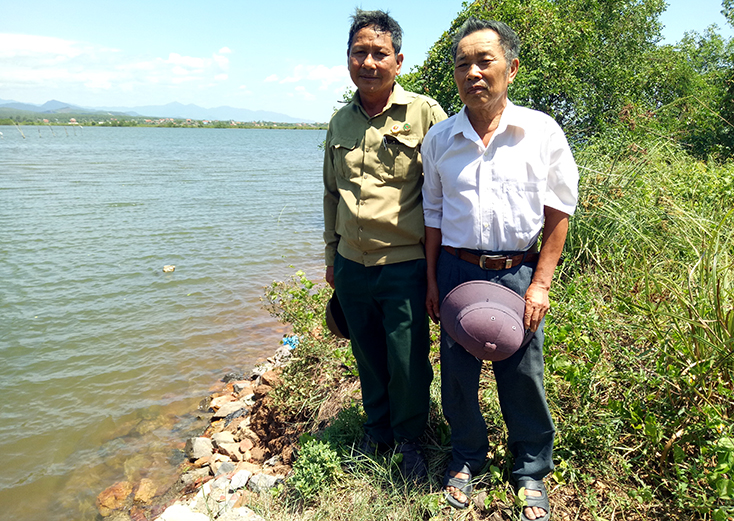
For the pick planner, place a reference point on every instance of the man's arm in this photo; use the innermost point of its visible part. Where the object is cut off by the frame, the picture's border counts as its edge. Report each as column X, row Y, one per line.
column 554, row 237
column 331, row 201
column 433, row 249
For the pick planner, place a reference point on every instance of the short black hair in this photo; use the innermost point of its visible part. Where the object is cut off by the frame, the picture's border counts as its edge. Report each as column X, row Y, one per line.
column 509, row 40
column 381, row 21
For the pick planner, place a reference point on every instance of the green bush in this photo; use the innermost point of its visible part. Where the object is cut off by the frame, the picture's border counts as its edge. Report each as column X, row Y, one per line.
column 317, row 467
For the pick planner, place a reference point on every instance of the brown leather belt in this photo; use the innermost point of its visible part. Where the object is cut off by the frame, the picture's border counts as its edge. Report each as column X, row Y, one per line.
column 493, row 262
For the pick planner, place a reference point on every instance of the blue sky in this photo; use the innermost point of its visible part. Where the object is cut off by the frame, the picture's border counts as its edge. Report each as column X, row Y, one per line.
column 286, row 56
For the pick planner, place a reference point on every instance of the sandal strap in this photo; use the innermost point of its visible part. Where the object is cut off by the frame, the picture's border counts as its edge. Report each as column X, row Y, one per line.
column 462, row 484
column 533, row 501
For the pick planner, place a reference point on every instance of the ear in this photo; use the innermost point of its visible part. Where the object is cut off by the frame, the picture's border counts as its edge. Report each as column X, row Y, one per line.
column 514, row 66
column 399, row 59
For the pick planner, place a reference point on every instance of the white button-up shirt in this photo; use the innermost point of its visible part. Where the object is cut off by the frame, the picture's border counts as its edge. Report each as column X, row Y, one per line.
column 492, row 198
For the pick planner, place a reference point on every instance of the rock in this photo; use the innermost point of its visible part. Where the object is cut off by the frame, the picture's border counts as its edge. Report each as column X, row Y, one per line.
column 243, row 387
column 260, row 369
column 240, row 479
column 227, row 409
column 113, row 498
column 202, row 462
column 234, row 416
column 181, row 513
column 146, row 491
column 246, row 445
column 260, row 483
column 283, row 353
column 249, row 467
column 197, row 448
column 194, row 475
column 222, row 437
column 220, row 401
column 272, row 461
column 233, row 377
column 270, row 378
column 232, row 450
column 225, row 468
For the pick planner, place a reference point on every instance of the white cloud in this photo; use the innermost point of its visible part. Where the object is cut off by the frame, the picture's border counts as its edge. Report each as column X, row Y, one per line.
column 46, row 47
column 41, row 62
column 271, row 78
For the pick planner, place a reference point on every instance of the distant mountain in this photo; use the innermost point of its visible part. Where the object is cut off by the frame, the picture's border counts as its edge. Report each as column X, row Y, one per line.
column 171, row 110
column 50, row 107
column 224, row 113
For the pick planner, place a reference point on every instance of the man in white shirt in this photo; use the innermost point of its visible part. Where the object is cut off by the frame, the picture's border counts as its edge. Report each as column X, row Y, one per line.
column 496, row 177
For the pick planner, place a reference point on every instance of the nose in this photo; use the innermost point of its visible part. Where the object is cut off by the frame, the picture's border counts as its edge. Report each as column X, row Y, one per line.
column 474, row 71
column 369, row 61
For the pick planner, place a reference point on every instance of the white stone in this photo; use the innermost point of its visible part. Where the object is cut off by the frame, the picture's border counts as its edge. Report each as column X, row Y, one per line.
column 197, row 448
column 181, row 513
column 262, row 483
column 240, row 479
column 222, row 437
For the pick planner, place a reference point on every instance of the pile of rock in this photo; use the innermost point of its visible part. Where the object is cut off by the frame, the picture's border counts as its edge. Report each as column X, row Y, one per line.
column 235, row 457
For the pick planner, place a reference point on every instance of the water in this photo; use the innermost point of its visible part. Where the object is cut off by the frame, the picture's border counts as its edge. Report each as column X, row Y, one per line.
column 104, row 356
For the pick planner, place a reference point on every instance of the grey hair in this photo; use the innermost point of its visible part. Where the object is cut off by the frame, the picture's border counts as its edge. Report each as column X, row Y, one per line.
column 509, row 40
column 381, row 21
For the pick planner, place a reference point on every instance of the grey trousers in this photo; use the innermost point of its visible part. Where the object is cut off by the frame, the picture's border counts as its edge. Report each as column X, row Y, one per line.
column 519, row 385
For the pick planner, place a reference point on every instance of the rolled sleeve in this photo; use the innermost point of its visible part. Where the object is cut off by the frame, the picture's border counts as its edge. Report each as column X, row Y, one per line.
column 563, row 175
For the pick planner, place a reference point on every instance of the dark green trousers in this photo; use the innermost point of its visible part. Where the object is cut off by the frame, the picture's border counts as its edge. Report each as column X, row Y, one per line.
column 386, row 314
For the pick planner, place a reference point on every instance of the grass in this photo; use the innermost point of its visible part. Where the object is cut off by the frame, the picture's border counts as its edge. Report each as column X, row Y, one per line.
column 639, row 364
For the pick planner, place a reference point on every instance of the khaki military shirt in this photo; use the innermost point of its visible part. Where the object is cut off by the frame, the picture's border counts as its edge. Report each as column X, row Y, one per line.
column 373, row 176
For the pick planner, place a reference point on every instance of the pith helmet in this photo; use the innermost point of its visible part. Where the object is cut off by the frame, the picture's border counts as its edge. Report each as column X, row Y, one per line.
column 486, row 319
column 335, row 320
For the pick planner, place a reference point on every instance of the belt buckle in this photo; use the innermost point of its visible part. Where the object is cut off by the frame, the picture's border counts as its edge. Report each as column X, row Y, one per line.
column 484, row 258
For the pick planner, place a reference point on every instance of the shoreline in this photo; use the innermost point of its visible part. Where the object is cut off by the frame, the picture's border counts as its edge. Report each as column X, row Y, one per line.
column 240, row 453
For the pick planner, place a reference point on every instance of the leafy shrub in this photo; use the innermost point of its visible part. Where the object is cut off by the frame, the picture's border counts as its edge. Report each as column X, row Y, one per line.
column 318, row 465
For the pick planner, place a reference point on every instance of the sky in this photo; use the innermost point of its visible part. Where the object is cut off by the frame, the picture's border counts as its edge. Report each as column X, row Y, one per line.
column 285, row 56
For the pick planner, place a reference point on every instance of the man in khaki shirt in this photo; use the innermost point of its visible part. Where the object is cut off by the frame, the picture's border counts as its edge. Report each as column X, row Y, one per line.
column 374, row 236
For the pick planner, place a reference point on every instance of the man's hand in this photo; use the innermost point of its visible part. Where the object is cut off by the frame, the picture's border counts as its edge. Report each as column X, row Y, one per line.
column 432, row 304
column 536, row 297
column 330, row 276
column 537, row 305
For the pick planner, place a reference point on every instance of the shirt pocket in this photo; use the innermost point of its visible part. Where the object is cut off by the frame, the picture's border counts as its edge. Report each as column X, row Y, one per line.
column 400, row 157
column 347, row 157
column 524, row 206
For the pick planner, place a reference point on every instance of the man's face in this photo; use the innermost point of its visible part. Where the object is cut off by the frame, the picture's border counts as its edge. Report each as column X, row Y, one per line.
column 480, row 71
column 373, row 64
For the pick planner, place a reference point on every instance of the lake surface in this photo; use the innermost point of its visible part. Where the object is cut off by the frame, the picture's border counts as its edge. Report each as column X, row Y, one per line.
column 105, row 356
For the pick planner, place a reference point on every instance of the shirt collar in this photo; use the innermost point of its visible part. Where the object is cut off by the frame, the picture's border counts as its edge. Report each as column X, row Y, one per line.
column 398, row 96
column 511, row 116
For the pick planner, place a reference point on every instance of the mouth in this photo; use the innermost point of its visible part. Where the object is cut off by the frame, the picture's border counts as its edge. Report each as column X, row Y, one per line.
column 475, row 89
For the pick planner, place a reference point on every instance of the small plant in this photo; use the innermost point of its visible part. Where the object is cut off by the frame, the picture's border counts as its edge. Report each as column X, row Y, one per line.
column 317, row 467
